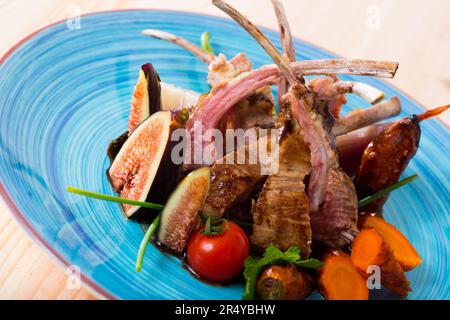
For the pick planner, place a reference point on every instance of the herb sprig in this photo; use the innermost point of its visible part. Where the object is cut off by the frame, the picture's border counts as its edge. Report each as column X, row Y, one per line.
column 382, row 193
column 254, row 266
column 147, row 237
column 206, row 36
column 150, row 231
column 105, row 197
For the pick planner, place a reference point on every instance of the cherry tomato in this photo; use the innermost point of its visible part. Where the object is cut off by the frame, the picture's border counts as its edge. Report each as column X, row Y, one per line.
column 218, row 258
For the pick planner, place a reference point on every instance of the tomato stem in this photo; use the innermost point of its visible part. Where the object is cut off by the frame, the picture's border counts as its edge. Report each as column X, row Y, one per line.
column 213, row 225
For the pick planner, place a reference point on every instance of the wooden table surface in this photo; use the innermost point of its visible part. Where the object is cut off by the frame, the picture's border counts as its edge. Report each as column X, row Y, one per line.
column 414, row 32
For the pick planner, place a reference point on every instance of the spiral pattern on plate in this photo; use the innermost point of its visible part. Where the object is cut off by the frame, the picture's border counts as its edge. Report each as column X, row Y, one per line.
column 64, row 95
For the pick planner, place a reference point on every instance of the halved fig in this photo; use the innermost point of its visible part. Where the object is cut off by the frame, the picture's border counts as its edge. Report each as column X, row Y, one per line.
column 146, row 97
column 180, row 215
column 143, row 169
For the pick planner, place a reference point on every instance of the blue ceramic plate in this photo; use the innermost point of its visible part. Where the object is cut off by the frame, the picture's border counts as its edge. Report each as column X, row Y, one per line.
column 64, row 95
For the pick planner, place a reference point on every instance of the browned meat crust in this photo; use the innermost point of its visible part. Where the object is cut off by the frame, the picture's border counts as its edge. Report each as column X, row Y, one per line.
column 231, row 183
column 281, row 214
column 339, row 212
column 334, row 204
column 253, row 111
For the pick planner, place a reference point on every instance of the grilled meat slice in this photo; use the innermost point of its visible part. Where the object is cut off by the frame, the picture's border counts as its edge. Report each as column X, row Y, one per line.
column 232, row 183
column 222, row 98
column 255, row 111
column 281, row 214
column 335, row 223
column 316, row 136
column 330, row 93
column 334, row 208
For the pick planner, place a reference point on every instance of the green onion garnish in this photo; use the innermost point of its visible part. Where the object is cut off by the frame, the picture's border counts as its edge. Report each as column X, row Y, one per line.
column 205, row 42
column 148, row 235
column 105, row 197
column 150, row 231
column 382, row 193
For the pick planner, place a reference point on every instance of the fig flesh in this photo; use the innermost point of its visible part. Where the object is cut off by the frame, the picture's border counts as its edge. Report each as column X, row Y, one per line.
column 143, row 169
column 146, row 97
column 180, row 215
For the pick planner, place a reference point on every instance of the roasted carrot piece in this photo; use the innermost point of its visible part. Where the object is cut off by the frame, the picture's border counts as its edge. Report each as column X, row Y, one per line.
column 339, row 279
column 404, row 252
column 370, row 249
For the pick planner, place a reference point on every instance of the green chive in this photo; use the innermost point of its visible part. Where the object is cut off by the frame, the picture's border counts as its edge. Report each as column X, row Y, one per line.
column 148, row 235
column 205, row 42
column 384, row 192
column 105, row 197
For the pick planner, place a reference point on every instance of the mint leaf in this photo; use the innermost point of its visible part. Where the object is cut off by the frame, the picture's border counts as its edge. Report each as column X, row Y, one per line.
column 309, row 263
column 254, row 266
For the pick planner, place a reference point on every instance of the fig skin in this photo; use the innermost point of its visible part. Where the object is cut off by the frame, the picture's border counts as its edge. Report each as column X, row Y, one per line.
column 283, row 282
column 153, row 87
column 115, row 146
column 168, row 175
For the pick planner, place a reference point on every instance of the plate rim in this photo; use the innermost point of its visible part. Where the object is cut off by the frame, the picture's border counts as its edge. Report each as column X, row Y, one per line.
column 92, row 286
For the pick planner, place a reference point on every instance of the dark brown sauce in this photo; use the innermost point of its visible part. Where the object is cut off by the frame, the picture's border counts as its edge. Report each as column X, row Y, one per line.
column 182, row 257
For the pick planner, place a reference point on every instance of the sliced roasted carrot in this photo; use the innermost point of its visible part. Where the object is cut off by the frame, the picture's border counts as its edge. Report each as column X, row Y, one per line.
column 370, row 249
column 404, row 252
column 339, row 279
